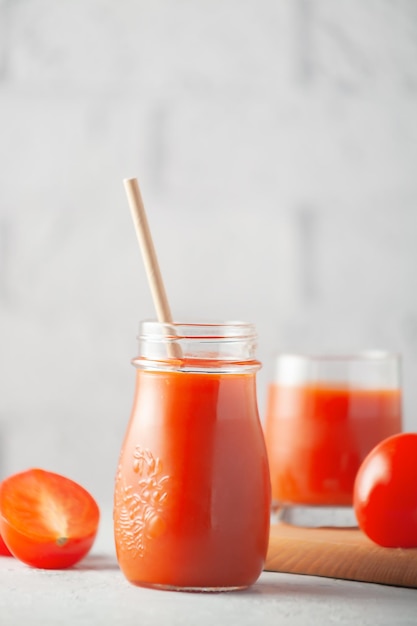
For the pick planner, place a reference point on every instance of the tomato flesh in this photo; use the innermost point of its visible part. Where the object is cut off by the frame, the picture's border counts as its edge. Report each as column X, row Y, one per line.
column 385, row 492
column 47, row 520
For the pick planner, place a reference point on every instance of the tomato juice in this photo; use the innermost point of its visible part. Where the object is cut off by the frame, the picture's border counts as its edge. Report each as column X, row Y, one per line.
column 192, row 497
column 317, row 435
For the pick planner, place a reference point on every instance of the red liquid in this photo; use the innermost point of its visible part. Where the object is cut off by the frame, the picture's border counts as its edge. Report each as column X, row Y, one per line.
column 192, row 498
column 318, row 436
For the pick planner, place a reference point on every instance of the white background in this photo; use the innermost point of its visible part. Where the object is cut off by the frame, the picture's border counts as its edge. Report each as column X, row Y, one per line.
column 276, row 146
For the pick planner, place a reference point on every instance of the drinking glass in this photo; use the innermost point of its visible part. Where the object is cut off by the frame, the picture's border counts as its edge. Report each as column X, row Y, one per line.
column 324, row 414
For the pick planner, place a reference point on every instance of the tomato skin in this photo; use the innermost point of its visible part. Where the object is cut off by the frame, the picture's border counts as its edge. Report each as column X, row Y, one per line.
column 33, row 505
column 385, row 492
column 4, row 550
column 45, row 554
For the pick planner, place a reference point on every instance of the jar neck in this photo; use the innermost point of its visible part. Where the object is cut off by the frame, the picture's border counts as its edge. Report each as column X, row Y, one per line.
column 227, row 347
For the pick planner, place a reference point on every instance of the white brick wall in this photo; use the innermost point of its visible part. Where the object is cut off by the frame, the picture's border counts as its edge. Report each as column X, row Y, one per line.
column 276, row 144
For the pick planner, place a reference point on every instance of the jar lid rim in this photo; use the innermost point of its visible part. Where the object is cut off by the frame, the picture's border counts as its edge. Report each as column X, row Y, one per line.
column 197, row 330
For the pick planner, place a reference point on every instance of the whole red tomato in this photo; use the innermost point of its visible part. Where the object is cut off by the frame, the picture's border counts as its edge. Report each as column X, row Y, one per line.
column 385, row 492
column 47, row 520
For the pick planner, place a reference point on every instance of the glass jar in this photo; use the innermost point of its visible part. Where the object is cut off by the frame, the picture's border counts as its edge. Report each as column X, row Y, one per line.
column 192, row 495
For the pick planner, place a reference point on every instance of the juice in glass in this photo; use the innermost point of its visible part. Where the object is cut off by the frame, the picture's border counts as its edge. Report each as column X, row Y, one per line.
column 192, row 495
column 324, row 414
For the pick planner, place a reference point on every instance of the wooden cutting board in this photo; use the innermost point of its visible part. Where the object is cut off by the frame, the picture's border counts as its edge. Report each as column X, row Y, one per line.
column 339, row 553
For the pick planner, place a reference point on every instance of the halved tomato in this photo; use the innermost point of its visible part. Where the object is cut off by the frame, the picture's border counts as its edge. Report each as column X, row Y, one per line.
column 47, row 520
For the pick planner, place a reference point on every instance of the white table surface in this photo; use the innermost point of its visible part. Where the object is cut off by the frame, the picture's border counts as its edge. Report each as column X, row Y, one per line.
column 96, row 592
